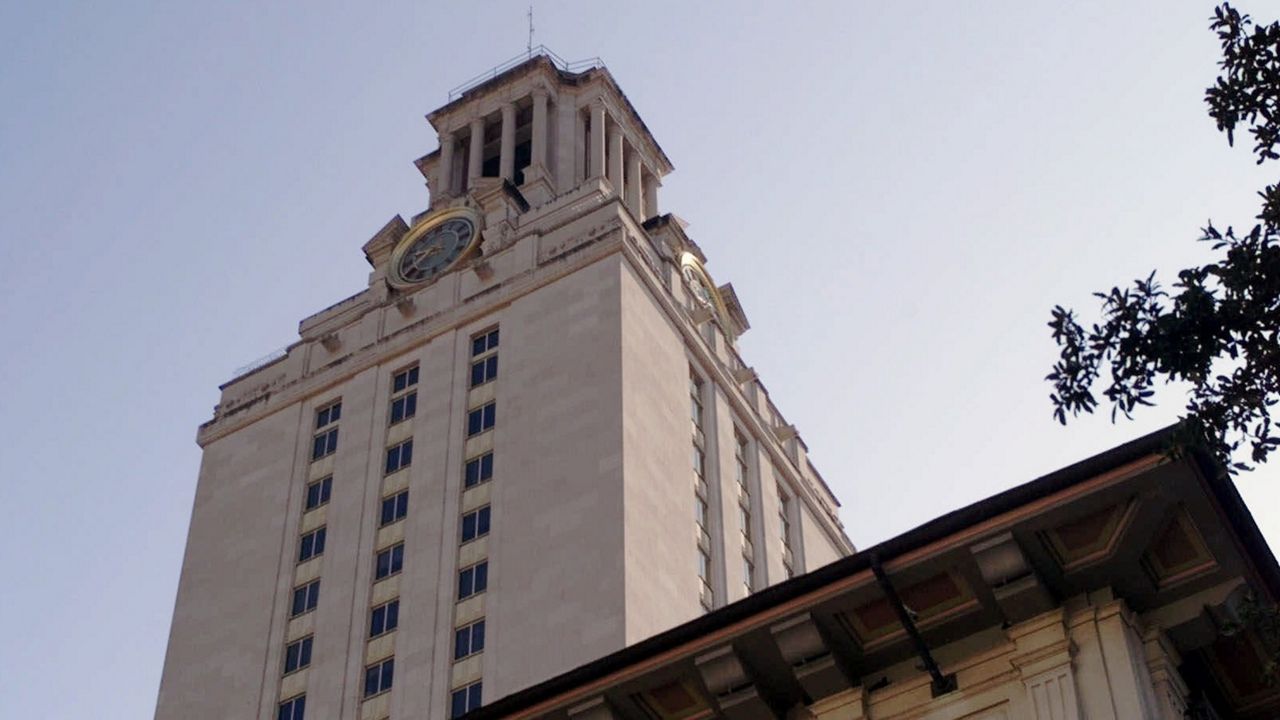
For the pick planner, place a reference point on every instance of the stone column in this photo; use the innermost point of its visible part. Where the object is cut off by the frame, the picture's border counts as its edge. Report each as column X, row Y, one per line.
column 539, row 149
column 444, row 173
column 615, row 158
column 475, row 163
column 507, row 151
column 650, row 196
column 634, row 168
column 596, row 151
column 568, row 146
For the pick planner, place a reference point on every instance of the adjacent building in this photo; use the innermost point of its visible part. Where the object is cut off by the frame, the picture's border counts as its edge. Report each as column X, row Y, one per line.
column 1119, row 588
column 530, row 442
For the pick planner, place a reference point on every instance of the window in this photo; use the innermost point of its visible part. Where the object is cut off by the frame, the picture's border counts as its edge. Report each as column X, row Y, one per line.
column 389, row 561
column 475, row 524
column 399, row 456
column 699, row 462
column 784, row 516
column 404, row 407
column 318, row 492
column 324, row 444
column 468, row 640
column 311, row 545
column 695, row 400
column 482, row 371
column 481, row 419
column 473, row 580
column 297, row 655
column 384, row 618
column 404, row 395
column 744, row 523
column 328, row 414
column 378, row 677
column 305, row 598
column 293, row 709
column 700, row 512
column 395, row 507
column 748, row 574
column 704, row 566
column 404, row 379
column 464, row 700
column 478, row 470
column 741, row 468
column 484, row 342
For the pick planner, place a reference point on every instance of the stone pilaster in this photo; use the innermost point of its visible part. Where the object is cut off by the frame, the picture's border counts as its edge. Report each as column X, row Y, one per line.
column 507, row 149
column 1162, row 662
column 1043, row 657
column 475, row 161
column 596, row 151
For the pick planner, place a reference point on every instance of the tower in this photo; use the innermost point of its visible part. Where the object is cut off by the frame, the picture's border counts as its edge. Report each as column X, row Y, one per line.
column 476, row 472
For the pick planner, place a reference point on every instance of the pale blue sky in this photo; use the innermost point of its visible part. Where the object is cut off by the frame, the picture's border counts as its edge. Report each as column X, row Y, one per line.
column 898, row 191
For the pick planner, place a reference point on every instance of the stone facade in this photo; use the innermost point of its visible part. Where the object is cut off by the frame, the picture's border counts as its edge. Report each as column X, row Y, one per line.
column 604, row 310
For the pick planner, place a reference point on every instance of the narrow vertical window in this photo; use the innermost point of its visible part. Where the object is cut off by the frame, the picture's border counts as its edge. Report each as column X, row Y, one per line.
column 325, row 441
column 404, row 394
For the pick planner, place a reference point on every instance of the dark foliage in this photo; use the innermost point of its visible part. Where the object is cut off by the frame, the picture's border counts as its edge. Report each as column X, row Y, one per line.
column 1217, row 327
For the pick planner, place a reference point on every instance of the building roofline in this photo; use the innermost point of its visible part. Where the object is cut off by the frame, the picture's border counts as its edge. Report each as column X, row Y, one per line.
column 565, row 76
column 1232, row 508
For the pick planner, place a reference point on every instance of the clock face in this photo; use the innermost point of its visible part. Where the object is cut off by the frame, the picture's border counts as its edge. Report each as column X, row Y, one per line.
column 697, row 286
column 436, row 249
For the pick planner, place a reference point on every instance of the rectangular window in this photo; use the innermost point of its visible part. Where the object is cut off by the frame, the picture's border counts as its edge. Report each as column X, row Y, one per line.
column 475, row 524
column 473, row 580
column 700, row 512
column 481, row 419
column 744, row 523
column 748, row 574
column 404, row 407
column 484, row 342
column 389, row 561
column 704, row 566
column 464, row 700
column 378, row 677
column 305, row 598
column 395, row 507
column 741, row 468
column 294, row 708
column 699, row 462
column 328, row 414
column 399, row 456
column 404, row 379
column 297, row 655
column 478, row 470
column 482, row 371
column 468, row 640
column 311, row 545
column 318, row 492
column 324, row 444
column 784, row 517
column 384, row 618
column 695, row 399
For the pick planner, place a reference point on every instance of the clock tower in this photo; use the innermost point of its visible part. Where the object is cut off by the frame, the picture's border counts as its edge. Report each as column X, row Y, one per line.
column 528, row 443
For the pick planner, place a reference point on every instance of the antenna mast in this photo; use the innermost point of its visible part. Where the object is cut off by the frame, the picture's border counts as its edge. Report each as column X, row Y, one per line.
column 530, row 45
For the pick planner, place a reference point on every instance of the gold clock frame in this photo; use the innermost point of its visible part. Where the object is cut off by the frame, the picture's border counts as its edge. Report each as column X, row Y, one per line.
column 428, row 224
column 689, row 260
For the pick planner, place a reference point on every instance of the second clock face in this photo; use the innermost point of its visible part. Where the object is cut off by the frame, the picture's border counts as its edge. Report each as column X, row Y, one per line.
column 436, row 250
column 699, row 288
